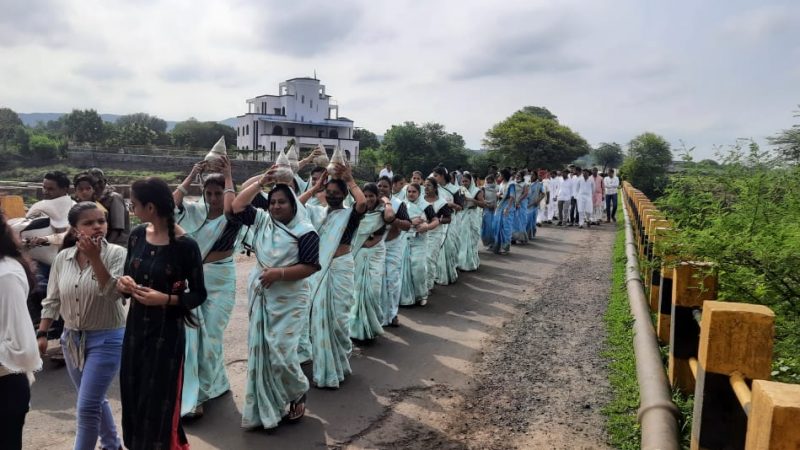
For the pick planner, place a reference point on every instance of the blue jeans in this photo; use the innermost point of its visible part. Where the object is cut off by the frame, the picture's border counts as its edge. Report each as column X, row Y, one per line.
column 102, row 353
column 611, row 214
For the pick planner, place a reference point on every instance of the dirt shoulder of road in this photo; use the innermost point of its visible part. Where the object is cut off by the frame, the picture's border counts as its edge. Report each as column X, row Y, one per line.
column 540, row 380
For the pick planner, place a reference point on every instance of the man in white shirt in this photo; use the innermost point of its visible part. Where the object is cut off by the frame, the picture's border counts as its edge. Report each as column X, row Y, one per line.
column 611, row 184
column 552, row 203
column 386, row 171
column 584, row 189
column 55, row 206
column 564, row 198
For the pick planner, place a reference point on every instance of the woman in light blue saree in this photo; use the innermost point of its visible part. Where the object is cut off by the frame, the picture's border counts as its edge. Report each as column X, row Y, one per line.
column 468, row 259
column 505, row 213
column 519, row 235
column 436, row 237
column 332, row 295
column 489, row 190
column 415, row 286
column 447, row 267
column 369, row 253
column 286, row 247
column 204, row 376
column 396, row 245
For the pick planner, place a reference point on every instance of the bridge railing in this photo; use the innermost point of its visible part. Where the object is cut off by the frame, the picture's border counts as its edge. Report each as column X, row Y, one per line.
column 721, row 352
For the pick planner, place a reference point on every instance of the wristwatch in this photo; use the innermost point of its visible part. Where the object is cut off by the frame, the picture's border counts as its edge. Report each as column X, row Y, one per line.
column 41, row 334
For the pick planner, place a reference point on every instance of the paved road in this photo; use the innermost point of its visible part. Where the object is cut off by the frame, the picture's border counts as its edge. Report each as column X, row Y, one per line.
column 435, row 348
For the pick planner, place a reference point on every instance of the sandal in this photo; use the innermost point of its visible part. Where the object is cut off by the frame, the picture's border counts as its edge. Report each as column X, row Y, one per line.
column 294, row 415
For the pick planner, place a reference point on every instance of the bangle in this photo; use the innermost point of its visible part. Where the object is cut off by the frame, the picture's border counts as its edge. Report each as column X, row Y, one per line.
column 283, row 271
column 229, row 191
column 182, row 189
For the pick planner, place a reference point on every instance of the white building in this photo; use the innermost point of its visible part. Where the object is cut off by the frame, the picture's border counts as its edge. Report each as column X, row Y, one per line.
column 302, row 111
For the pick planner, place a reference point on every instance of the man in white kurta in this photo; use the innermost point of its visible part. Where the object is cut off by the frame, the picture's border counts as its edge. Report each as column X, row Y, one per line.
column 583, row 191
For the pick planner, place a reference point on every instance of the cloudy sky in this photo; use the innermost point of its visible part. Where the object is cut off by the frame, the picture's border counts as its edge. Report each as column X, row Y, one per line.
column 701, row 72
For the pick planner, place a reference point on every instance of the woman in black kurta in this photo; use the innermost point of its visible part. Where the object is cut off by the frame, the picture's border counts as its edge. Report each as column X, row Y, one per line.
column 164, row 276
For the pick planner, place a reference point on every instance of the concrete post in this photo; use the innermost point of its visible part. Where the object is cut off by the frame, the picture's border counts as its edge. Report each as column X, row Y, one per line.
column 735, row 338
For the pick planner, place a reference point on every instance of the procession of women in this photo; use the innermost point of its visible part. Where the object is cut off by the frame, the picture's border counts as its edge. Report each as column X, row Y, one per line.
column 333, row 263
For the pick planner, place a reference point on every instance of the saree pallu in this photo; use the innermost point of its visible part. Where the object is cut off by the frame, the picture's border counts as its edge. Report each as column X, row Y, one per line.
column 447, row 263
column 436, row 239
column 367, row 313
column 415, row 269
column 520, row 232
column 204, row 375
column 487, row 227
column 330, row 323
column 274, row 377
column 393, row 281
column 468, row 259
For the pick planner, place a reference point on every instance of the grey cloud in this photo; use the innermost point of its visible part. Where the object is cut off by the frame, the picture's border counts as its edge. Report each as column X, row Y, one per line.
column 104, row 71
column 220, row 74
column 531, row 50
column 32, row 21
column 305, row 29
column 377, row 77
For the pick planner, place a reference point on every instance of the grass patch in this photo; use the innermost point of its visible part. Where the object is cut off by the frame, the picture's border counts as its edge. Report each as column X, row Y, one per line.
column 115, row 176
column 623, row 429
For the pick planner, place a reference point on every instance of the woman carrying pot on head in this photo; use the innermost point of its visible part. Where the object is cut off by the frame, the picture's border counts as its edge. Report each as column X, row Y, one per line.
column 204, row 376
column 164, row 276
column 415, row 287
column 333, row 286
column 286, row 247
column 369, row 253
column 468, row 259
column 447, row 267
column 505, row 213
column 396, row 244
column 436, row 236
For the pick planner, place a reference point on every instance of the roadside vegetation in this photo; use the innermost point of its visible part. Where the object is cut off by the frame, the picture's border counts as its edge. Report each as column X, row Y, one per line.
column 115, row 176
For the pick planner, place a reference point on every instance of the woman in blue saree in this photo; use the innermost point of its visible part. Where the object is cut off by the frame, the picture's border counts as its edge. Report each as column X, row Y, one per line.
column 447, row 267
column 396, row 245
column 332, row 294
column 437, row 236
column 287, row 252
column 468, row 259
column 369, row 253
column 519, row 235
column 489, row 190
column 505, row 213
column 204, row 376
column 415, row 287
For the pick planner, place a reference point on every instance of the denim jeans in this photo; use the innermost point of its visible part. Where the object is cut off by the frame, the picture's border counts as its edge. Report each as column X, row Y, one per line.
column 611, row 214
column 102, row 353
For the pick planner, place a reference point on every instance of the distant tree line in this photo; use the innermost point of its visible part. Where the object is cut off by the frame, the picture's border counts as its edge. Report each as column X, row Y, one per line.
column 47, row 140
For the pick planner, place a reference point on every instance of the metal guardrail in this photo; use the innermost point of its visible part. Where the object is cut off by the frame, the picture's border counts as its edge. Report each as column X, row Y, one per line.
column 720, row 352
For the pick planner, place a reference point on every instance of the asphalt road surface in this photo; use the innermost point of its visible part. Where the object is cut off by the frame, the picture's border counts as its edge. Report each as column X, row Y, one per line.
column 426, row 383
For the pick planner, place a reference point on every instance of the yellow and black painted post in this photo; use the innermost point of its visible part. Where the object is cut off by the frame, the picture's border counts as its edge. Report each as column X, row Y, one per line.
column 735, row 347
column 692, row 284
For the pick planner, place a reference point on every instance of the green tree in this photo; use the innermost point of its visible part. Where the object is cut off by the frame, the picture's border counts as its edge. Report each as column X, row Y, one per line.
column 787, row 142
column 366, row 139
column 529, row 140
column 43, row 147
column 539, row 111
column 193, row 133
column 9, row 122
column 409, row 147
column 154, row 123
column 649, row 158
column 84, row 126
column 608, row 155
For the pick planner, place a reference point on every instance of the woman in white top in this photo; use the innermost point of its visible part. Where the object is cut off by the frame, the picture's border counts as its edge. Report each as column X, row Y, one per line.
column 19, row 356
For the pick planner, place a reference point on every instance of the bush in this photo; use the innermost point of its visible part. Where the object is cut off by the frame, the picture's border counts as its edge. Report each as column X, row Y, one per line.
column 744, row 216
column 42, row 147
column 649, row 158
